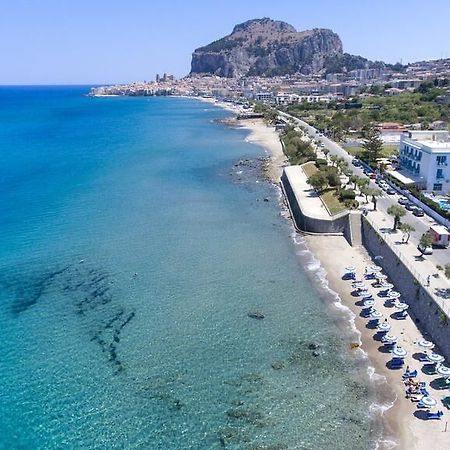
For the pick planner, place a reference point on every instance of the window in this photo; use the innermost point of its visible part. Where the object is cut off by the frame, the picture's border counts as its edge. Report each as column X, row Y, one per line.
column 437, row 187
column 439, row 173
column 441, row 160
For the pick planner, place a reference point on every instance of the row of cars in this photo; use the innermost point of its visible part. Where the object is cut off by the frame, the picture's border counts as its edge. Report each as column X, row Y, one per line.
column 419, row 212
column 410, row 206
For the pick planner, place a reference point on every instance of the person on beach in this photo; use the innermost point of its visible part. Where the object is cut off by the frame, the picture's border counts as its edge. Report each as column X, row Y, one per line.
column 428, row 280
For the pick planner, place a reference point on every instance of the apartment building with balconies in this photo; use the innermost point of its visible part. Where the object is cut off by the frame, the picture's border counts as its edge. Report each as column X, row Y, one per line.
column 425, row 157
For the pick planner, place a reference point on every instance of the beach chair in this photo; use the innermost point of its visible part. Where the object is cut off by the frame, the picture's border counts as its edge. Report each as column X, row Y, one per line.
column 396, row 363
column 410, row 374
column 434, row 415
column 423, row 389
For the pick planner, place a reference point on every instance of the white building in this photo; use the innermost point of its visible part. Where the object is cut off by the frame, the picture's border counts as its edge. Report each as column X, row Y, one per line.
column 424, row 158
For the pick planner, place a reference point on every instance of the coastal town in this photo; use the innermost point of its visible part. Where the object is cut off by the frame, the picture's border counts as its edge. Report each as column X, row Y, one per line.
column 252, row 253
column 393, row 279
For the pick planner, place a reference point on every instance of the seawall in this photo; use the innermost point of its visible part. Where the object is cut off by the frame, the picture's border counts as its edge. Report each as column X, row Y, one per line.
column 423, row 308
column 306, row 221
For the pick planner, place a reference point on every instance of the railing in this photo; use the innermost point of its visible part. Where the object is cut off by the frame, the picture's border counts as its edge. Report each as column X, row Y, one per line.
column 445, row 307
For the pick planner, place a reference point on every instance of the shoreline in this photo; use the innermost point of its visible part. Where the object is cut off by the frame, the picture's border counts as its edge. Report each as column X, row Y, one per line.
column 400, row 429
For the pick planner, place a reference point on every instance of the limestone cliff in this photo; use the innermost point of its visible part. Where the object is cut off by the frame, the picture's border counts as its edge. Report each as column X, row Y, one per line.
column 267, row 47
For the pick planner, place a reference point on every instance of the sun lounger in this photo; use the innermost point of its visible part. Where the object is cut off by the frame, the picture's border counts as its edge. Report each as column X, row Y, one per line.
column 410, row 374
column 397, row 362
column 434, row 415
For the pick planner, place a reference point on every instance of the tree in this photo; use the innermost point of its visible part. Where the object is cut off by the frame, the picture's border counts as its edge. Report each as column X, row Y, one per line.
column 334, row 160
column 375, row 194
column 366, row 191
column 362, row 182
column 318, row 181
column 447, row 270
column 406, row 229
column 333, row 177
column 325, row 151
column 397, row 212
column 354, row 179
column 372, row 145
column 425, row 241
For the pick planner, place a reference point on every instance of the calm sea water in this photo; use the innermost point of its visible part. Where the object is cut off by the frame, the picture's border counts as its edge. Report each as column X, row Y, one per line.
column 131, row 251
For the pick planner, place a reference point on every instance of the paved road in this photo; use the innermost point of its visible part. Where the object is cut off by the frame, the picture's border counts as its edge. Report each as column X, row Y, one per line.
column 421, row 224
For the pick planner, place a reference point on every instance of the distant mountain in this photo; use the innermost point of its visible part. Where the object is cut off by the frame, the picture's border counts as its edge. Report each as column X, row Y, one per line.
column 268, row 47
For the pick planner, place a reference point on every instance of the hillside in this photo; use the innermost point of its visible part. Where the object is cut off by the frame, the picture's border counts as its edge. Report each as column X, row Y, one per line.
column 267, row 47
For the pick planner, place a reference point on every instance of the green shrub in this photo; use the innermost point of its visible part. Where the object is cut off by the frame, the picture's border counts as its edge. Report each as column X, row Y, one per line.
column 351, row 204
column 347, row 194
column 320, row 162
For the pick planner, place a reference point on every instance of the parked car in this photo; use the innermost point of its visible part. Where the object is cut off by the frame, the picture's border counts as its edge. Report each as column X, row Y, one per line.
column 390, row 191
column 403, row 200
column 410, row 206
column 373, row 176
column 419, row 212
column 356, row 162
column 425, row 250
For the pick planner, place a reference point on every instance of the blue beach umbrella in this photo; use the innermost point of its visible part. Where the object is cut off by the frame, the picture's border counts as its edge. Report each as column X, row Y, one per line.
column 384, row 327
column 376, row 315
column 435, row 358
column 399, row 352
column 426, row 344
column 428, row 401
column 442, row 370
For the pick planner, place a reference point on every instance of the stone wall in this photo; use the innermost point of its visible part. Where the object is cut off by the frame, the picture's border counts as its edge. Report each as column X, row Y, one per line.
column 339, row 224
column 423, row 308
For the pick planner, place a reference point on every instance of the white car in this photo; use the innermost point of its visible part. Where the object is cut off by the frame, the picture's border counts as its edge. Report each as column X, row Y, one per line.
column 425, row 250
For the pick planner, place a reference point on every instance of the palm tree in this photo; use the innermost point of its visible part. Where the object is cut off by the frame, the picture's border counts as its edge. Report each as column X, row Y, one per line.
column 406, row 229
column 398, row 212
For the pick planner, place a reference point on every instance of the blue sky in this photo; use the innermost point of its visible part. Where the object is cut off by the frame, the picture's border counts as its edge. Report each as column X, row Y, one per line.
column 107, row 41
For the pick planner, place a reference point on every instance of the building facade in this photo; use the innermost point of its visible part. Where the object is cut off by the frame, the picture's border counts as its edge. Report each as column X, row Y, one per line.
column 424, row 157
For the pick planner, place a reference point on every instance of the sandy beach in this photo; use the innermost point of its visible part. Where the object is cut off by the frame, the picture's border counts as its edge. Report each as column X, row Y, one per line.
column 403, row 427
column 399, row 421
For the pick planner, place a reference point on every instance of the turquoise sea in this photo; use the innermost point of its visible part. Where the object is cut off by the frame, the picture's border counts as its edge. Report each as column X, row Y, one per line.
column 132, row 249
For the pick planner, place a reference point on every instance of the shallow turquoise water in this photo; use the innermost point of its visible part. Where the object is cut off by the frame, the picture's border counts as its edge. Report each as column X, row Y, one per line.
column 131, row 252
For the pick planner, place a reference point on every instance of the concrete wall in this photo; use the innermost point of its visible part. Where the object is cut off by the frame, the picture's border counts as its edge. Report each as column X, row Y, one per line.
column 339, row 224
column 423, row 308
